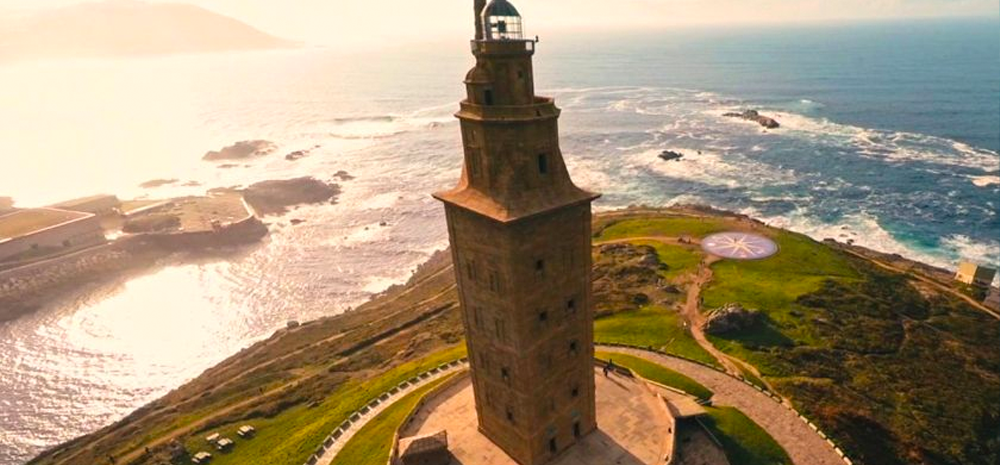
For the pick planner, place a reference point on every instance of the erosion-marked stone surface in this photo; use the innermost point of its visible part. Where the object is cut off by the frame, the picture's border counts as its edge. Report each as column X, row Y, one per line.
column 804, row 446
column 632, row 427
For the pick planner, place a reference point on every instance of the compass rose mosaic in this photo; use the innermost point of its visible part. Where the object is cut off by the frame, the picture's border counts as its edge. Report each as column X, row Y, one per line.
column 740, row 246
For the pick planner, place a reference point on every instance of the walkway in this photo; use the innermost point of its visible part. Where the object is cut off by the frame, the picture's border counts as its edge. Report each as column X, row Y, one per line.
column 804, row 445
column 361, row 419
column 633, row 427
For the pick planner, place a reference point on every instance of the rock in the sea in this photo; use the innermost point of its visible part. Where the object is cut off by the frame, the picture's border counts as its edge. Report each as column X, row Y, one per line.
column 670, row 155
column 298, row 154
column 6, row 203
column 158, row 183
column 730, row 318
column 753, row 115
column 242, row 150
column 274, row 197
column 343, row 175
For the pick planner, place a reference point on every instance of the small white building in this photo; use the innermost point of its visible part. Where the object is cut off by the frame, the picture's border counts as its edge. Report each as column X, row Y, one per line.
column 975, row 275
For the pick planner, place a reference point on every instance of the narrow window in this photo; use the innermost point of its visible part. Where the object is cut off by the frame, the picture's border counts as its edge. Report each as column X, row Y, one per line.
column 543, row 163
column 552, row 446
column 571, row 305
column 510, row 414
column 520, row 74
column 477, row 316
column 575, row 392
column 576, row 429
column 540, row 266
column 501, row 332
column 474, row 162
column 543, row 316
column 572, row 348
column 488, row 97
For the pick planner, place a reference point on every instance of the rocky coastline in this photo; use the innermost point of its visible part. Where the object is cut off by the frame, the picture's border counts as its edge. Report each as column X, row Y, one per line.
column 171, row 231
column 753, row 115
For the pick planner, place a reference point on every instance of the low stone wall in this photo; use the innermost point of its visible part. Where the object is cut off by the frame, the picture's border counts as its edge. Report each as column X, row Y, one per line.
column 350, row 423
column 394, row 454
column 130, row 252
column 47, row 273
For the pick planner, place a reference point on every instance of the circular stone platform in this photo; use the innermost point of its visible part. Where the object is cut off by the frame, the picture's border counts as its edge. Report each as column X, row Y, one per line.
column 632, row 424
column 739, row 246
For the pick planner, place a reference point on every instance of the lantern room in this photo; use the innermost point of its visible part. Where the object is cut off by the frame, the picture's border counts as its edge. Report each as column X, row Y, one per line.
column 501, row 21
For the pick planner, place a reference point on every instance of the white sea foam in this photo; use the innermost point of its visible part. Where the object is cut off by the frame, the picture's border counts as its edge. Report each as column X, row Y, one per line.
column 899, row 147
column 713, row 168
column 985, row 181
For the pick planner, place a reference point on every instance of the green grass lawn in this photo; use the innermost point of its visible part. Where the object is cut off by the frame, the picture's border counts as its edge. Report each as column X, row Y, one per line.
column 654, row 327
column 772, row 285
column 657, row 373
column 290, row 437
column 373, row 443
column 744, row 441
column 673, row 227
column 680, row 260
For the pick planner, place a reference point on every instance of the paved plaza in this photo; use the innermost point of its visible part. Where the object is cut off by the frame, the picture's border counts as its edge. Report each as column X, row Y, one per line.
column 632, row 427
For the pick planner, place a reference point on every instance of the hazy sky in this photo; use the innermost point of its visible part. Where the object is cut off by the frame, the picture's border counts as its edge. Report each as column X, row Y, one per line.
column 361, row 21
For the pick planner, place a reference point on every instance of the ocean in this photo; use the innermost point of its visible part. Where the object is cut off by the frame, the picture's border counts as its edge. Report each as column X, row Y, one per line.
column 890, row 137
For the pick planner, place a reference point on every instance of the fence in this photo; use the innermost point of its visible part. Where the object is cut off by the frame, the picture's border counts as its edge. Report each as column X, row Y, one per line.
column 337, row 434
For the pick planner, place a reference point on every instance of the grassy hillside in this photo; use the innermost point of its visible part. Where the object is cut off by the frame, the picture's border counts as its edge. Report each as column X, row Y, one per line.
column 896, row 370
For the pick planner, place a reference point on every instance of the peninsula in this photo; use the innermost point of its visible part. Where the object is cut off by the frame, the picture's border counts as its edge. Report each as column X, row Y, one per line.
column 128, row 28
column 843, row 337
column 53, row 250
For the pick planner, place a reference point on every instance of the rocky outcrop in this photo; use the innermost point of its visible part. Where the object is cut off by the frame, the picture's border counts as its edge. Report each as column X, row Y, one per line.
column 625, row 275
column 753, row 115
column 670, row 155
column 154, row 183
column 242, row 150
column 731, row 318
column 274, row 197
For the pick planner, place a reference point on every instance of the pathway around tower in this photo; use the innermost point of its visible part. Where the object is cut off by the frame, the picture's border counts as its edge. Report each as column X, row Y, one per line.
column 803, row 442
column 359, row 422
column 793, row 432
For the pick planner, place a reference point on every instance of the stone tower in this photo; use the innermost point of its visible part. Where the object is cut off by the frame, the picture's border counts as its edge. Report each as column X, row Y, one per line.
column 520, row 238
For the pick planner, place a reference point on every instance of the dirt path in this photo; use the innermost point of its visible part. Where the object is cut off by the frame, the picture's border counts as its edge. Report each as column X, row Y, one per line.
column 919, row 277
column 803, row 445
column 691, row 311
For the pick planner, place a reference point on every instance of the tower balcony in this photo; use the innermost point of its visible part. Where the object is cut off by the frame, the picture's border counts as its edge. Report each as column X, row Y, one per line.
column 541, row 108
column 503, row 47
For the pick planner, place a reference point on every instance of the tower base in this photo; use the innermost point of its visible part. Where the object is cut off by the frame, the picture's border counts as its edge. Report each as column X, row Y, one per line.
column 634, row 427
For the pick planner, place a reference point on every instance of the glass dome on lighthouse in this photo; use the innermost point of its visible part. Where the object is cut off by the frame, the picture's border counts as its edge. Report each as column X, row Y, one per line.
column 502, row 21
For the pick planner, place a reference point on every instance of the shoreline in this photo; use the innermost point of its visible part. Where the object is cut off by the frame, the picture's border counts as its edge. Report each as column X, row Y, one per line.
column 28, row 288
column 375, row 320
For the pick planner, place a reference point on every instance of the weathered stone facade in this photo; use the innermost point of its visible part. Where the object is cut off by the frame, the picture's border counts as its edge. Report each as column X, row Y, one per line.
column 520, row 238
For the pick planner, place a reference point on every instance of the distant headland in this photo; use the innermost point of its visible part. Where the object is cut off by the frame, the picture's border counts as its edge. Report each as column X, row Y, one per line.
column 127, row 28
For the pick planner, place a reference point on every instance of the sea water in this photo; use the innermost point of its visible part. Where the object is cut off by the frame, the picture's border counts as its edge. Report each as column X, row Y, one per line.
column 890, row 137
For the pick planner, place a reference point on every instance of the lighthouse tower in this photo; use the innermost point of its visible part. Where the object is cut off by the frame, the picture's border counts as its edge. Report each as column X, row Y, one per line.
column 520, row 234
